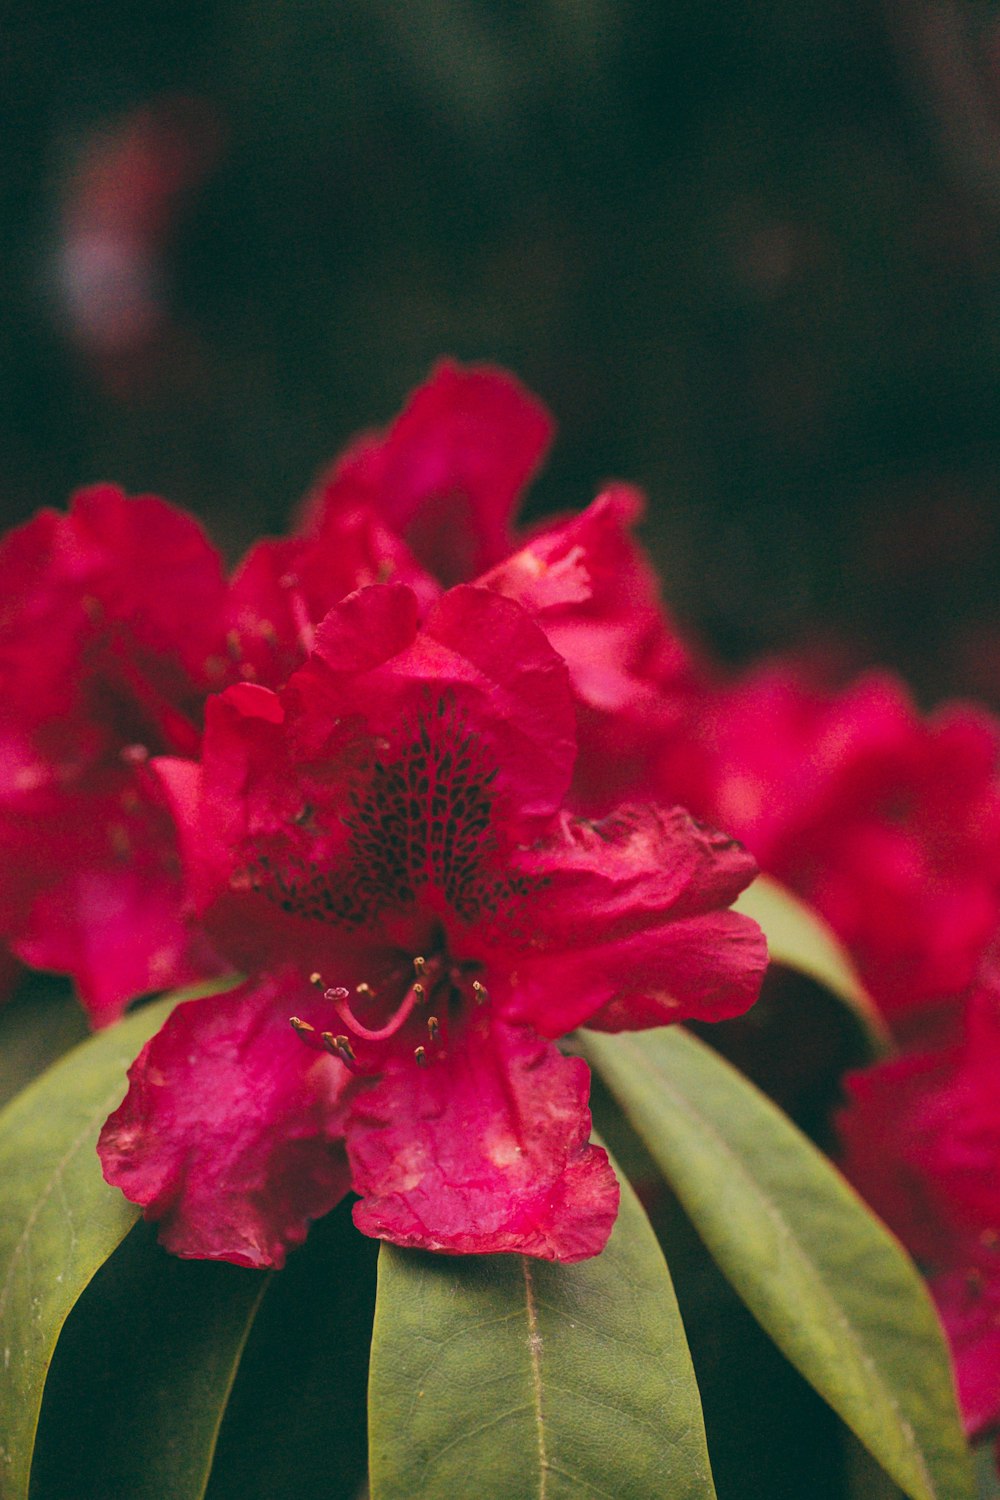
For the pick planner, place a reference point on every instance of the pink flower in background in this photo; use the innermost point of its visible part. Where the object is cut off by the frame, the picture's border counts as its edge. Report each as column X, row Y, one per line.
column 887, row 823
column 120, row 205
column 921, row 1138
column 111, row 628
column 394, row 820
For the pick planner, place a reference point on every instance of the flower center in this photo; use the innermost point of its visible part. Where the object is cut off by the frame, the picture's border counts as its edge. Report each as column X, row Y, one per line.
column 430, row 1006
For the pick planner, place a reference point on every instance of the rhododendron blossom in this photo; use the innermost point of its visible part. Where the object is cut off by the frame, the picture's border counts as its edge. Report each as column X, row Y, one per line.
column 888, row 824
column 111, row 634
column 921, row 1140
column 383, row 845
column 117, row 623
column 445, row 482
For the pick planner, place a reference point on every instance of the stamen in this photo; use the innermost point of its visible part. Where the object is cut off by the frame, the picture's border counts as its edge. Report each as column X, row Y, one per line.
column 300, row 612
column 419, row 966
column 420, row 993
column 433, row 1027
column 479, row 992
column 299, row 1026
column 317, row 980
column 340, row 1047
column 420, row 1056
column 364, row 990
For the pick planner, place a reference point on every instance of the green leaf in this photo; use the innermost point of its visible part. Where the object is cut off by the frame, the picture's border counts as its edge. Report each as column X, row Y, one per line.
column 60, row 1219
column 499, row 1376
column 799, row 939
column 142, row 1375
column 829, row 1283
column 40, row 1022
column 295, row 1423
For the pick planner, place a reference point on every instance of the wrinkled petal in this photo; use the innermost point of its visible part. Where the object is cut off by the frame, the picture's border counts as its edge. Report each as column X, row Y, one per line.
column 484, row 1150
column 229, row 1135
column 629, row 927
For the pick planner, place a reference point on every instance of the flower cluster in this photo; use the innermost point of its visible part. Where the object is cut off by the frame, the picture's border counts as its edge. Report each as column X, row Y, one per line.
column 399, row 772
column 889, row 825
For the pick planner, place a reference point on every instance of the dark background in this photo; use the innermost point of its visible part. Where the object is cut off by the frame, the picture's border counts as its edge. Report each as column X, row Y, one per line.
column 748, row 255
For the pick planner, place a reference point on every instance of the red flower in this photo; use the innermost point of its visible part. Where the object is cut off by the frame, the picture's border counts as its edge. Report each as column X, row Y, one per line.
column 888, row 824
column 393, row 819
column 921, row 1139
column 446, row 480
column 111, row 623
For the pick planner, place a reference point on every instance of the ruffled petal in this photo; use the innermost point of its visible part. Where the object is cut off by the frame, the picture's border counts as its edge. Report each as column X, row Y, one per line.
column 229, row 1135
column 630, row 927
column 484, row 1150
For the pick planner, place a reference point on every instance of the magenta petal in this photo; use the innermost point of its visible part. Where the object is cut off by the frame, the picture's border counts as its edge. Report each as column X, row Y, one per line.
column 448, row 474
column 968, row 1301
column 484, row 1150
column 229, row 1134
column 630, row 925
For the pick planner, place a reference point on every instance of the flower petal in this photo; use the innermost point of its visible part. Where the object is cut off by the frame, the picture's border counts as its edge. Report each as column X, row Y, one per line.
column 229, row 1134
column 484, row 1150
column 630, row 926
column 449, row 472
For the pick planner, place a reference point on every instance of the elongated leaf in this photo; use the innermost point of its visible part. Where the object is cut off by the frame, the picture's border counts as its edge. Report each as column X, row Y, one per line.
column 828, row 1282
column 498, row 1376
column 799, row 939
column 295, row 1423
column 37, row 1025
column 142, row 1374
column 60, row 1220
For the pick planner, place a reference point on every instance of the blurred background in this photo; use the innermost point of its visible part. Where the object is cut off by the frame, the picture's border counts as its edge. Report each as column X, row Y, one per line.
column 748, row 255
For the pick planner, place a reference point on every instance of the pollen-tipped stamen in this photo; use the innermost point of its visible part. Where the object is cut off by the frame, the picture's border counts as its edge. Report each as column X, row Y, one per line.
column 300, row 1027
column 340, row 1046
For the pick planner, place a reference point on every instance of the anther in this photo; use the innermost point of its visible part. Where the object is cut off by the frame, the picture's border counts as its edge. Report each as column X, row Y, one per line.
column 317, row 980
column 419, row 993
column 365, row 991
column 420, row 1056
column 479, row 992
column 339, row 1046
column 419, row 966
column 299, row 1026
column 433, row 1027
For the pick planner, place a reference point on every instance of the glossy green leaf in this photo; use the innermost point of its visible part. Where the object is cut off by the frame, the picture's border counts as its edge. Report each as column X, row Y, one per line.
column 822, row 1275
column 295, row 1423
column 799, row 939
column 142, row 1375
column 60, row 1219
column 40, row 1022
column 499, row 1376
